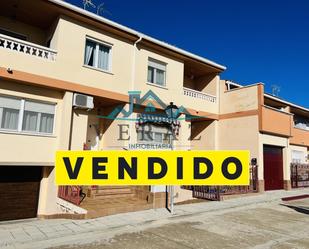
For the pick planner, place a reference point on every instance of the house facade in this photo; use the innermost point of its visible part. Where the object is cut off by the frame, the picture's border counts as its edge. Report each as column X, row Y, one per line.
column 69, row 78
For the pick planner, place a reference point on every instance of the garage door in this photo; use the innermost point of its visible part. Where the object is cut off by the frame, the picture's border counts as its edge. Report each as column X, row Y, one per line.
column 19, row 192
column 273, row 168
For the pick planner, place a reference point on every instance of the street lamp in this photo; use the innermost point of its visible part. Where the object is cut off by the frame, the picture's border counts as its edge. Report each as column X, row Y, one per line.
column 172, row 113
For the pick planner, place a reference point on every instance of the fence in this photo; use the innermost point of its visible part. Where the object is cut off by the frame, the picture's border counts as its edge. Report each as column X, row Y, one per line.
column 299, row 175
column 217, row 192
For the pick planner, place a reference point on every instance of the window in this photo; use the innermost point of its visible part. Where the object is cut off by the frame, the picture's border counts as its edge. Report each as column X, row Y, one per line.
column 26, row 116
column 97, row 55
column 298, row 156
column 9, row 113
column 154, row 134
column 301, row 122
column 38, row 117
column 156, row 72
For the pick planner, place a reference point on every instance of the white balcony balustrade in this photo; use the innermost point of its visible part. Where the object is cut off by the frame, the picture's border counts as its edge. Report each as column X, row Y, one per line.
column 199, row 95
column 28, row 48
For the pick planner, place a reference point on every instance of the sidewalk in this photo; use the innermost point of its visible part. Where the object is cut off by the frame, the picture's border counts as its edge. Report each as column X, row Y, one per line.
column 35, row 233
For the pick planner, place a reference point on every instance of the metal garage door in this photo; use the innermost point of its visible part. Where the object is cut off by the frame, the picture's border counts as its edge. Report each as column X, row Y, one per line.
column 19, row 191
column 273, row 167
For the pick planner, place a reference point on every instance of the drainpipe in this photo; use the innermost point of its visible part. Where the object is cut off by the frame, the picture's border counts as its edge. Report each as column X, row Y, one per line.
column 134, row 61
column 140, row 37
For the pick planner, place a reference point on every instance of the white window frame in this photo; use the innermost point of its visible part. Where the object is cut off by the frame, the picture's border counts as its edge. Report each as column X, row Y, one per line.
column 95, row 56
column 19, row 129
column 155, row 72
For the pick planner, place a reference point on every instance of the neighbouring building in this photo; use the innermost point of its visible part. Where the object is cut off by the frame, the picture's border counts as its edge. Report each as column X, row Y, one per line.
column 67, row 79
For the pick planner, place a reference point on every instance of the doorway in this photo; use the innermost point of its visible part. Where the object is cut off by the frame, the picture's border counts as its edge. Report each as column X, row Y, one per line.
column 273, row 167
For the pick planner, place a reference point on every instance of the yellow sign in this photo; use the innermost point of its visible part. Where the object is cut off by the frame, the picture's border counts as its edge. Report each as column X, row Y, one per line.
column 152, row 168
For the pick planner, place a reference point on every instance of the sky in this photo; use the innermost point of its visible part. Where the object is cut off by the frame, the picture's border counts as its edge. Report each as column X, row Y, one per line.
column 257, row 40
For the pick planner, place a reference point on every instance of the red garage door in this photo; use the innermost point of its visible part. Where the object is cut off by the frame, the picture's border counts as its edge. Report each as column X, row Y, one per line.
column 273, row 168
column 19, row 192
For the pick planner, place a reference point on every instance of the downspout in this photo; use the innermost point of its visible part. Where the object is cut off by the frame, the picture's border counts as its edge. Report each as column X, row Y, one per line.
column 140, row 37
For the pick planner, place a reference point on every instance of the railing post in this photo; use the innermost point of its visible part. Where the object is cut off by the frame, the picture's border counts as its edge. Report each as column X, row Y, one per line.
column 218, row 193
column 296, row 175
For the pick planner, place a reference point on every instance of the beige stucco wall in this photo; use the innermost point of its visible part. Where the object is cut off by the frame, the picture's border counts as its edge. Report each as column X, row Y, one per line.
column 239, row 134
column 182, row 194
column 48, row 193
column 183, row 141
column 79, row 129
column 239, row 99
column 65, row 115
column 204, row 135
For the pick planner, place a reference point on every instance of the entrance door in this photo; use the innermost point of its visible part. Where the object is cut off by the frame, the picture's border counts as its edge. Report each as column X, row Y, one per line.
column 19, row 191
column 273, row 167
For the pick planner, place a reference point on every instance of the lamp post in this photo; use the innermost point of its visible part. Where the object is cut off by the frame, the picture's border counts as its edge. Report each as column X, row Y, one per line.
column 172, row 113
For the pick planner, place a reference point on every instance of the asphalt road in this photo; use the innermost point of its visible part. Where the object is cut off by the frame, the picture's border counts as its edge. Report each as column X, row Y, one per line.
column 269, row 225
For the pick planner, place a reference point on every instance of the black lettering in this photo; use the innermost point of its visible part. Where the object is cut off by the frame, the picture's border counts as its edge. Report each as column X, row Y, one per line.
column 122, row 131
column 124, row 166
column 197, row 173
column 73, row 173
column 151, row 163
column 179, row 168
column 225, row 165
column 96, row 168
column 148, row 133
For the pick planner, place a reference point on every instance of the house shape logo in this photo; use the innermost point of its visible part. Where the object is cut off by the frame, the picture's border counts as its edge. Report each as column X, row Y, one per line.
column 150, row 100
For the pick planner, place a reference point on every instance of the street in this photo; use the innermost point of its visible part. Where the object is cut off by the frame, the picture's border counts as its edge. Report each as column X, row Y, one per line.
column 257, row 221
column 268, row 225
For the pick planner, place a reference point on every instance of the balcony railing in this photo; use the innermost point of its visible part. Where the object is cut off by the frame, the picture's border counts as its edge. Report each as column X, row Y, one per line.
column 199, row 95
column 276, row 121
column 17, row 45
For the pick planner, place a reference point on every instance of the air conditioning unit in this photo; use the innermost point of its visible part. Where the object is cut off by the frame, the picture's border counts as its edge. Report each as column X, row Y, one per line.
column 82, row 101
